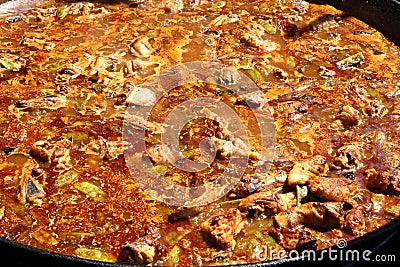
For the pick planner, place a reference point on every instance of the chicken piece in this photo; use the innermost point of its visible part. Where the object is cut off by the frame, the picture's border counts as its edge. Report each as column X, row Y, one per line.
column 145, row 250
column 236, row 147
column 42, row 150
column 141, row 47
column 273, row 182
column 302, row 172
column 268, row 204
column 387, row 182
column 370, row 106
column 253, row 38
column 348, row 117
column 108, row 150
column 291, row 110
column 332, row 189
column 375, row 108
column 157, row 154
column 57, row 153
column 299, row 5
column 140, row 123
column 61, row 155
column 350, row 156
column 40, row 103
column 184, row 213
column 223, row 228
column 30, row 190
column 246, row 186
column 354, row 222
column 294, row 239
column 396, row 109
column 316, row 215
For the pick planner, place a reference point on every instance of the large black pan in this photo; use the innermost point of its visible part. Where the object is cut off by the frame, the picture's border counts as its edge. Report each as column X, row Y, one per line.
column 384, row 15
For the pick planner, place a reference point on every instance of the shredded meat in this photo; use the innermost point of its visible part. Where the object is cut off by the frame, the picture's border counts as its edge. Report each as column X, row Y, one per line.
column 223, row 228
column 332, row 189
column 266, row 203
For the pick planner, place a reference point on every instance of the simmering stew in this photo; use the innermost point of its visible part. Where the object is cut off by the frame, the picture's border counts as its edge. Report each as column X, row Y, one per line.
column 70, row 69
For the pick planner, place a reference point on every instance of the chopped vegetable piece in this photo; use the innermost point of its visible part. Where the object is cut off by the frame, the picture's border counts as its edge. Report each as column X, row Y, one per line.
column 393, row 210
column 301, row 193
column 62, row 11
column 94, row 254
column 8, row 64
column 173, row 256
column 255, row 75
column 161, row 169
column 268, row 26
column 44, row 238
column 267, row 238
column 174, row 237
column 290, row 62
column 350, row 61
column 91, row 190
column 77, row 137
column 66, row 178
column 217, row 5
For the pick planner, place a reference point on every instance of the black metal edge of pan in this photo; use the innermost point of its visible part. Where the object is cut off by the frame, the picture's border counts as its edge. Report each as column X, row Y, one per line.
column 383, row 15
column 16, row 254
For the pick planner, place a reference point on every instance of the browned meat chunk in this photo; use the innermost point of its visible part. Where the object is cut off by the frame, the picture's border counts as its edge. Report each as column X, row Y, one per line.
column 223, row 228
column 370, row 107
column 41, row 103
column 108, row 150
column 299, row 5
column 316, row 215
column 383, row 181
column 354, row 222
column 263, row 202
column 236, row 147
column 184, row 213
column 347, row 117
column 306, row 170
column 141, row 47
column 61, row 155
column 294, row 239
column 350, row 156
column 42, row 150
column 249, row 184
column 273, row 182
column 332, row 189
column 30, row 190
column 146, row 250
column 57, row 153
